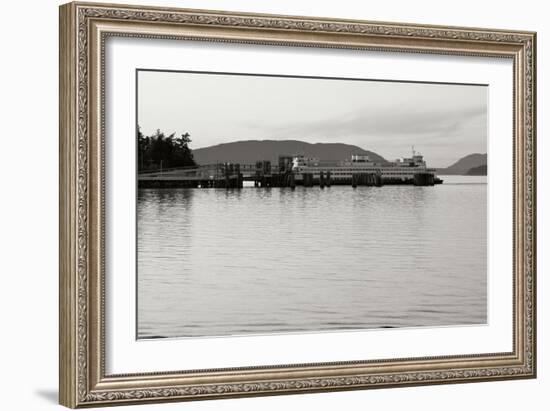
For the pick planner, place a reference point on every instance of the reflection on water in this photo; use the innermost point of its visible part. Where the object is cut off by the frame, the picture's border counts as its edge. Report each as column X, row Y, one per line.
column 252, row 261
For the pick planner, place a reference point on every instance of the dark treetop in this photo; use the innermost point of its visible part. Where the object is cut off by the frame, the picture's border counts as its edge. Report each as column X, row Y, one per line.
column 161, row 151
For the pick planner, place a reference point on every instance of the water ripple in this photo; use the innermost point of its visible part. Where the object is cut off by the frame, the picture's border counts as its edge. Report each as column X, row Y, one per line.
column 226, row 262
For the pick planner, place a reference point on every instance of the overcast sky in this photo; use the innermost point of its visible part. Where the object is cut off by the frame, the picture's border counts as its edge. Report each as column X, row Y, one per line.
column 443, row 122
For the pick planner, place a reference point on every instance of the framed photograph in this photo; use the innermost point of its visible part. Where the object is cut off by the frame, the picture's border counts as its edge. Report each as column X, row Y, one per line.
column 259, row 204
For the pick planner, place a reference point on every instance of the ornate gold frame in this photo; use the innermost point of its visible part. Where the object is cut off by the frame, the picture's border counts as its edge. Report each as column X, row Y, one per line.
column 83, row 30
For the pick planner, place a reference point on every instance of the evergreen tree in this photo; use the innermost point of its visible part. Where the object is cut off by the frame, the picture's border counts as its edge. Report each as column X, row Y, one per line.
column 161, row 151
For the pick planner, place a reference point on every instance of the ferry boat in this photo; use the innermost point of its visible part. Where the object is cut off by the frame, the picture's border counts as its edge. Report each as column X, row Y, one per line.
column 404, row 170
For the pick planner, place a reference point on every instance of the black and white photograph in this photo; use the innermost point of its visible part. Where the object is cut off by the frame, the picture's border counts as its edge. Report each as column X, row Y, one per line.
column 271, row 204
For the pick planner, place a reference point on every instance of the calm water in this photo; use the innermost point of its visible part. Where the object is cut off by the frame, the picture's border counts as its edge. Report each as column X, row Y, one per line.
column 226, row 262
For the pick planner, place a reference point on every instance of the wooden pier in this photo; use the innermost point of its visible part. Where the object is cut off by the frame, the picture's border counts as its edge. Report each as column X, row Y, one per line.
column 366, row 179
column 263, row 174
column 424, row 179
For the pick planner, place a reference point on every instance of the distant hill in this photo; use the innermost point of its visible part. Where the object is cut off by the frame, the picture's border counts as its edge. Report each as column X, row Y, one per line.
column 477, row 171
column 251, row 151
column 462, row 166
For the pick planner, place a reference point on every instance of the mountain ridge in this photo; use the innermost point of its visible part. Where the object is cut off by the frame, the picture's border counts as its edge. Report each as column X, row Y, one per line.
column 477, row 171
column 465, row 164
column 250, row 151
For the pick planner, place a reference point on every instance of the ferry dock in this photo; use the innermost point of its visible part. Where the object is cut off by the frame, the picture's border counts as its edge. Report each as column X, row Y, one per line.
column 292, row 171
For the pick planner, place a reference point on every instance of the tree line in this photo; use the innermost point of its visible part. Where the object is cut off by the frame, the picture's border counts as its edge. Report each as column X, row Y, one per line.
column 160, row 151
